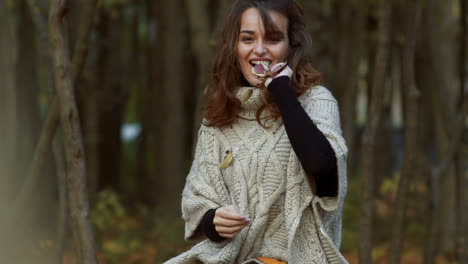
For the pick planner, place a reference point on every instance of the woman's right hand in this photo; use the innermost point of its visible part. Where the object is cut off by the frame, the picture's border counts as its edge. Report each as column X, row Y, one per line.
column 282, row 70
column 228, row 222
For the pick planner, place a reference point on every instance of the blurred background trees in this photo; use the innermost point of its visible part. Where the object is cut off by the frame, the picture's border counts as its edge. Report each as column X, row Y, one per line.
column 138, row 68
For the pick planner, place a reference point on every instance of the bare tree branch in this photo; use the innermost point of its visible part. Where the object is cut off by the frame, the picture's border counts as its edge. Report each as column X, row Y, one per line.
column 51, row 124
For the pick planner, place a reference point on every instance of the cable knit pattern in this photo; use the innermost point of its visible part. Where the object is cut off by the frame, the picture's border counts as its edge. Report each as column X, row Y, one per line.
column 266, row 183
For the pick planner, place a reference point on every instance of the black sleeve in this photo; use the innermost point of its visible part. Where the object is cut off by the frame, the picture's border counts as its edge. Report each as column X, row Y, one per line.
column 208, row 228
column 310, row 145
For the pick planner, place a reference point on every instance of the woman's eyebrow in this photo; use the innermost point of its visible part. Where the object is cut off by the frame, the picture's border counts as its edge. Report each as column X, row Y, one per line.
column 251, row 32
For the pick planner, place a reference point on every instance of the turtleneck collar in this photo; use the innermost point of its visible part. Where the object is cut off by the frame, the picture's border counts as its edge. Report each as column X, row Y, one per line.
column 252, row 98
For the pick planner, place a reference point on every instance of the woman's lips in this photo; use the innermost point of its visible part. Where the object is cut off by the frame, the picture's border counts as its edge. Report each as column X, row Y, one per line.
column 263, row 69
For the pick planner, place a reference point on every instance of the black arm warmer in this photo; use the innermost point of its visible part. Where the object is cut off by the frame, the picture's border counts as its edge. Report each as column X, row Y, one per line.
column 310, row 145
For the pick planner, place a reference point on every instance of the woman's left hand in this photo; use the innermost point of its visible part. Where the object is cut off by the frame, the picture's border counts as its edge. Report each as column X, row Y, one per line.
column 228, row 222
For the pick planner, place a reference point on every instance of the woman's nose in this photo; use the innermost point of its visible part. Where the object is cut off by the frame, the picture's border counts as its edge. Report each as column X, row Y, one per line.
column 260, row 49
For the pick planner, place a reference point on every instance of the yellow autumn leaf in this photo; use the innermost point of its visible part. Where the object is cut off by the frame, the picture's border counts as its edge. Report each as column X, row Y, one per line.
column 246, row 95
column 227, row 161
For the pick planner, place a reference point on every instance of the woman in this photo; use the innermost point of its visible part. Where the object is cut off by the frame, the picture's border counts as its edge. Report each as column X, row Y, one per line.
column 269, row 176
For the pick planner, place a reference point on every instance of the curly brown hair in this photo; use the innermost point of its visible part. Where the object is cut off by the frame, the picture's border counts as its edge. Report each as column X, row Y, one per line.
column 223, row 106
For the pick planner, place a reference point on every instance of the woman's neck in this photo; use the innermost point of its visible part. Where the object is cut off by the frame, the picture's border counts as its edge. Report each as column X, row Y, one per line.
column 252, row 98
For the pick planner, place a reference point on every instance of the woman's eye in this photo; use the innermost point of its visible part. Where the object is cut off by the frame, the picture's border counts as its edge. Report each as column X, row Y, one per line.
column 246, row 39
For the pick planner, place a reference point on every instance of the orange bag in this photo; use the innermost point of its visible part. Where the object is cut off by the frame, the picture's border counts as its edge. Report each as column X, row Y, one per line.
column 271, row 261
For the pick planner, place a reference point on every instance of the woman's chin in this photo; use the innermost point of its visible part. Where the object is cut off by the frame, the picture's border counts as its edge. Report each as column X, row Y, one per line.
column 257, row 83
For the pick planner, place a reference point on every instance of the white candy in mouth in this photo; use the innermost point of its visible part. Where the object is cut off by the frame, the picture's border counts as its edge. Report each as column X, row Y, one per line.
column 266, row 65
column 260, row 73
column 260, row 68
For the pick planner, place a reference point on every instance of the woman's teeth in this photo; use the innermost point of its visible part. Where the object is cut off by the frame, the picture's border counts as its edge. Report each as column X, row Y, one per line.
column 264, row 63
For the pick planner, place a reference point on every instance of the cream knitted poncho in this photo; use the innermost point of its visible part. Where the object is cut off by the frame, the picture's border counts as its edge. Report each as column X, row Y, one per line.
column 266, row 183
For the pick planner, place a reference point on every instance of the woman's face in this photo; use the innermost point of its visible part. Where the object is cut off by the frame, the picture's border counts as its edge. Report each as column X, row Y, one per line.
column 253, row 46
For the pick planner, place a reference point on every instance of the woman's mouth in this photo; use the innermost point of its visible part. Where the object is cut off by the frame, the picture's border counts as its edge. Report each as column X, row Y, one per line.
column 260, row 67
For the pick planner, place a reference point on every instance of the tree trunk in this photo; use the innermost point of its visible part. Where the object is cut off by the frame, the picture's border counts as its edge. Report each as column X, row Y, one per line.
column 370, row 134
column 200, row 33
column 200, row 40
column 80, row 51
column 136, row 83
column 8, row 120
column 411, row 100
column 110, row 99
column 76, row 168
column 348, row 58
column 433, row 210
column 435, row 84
column 62, row 226
column 204, row 40
column 7, row 100
column 318, row 19
column 144, row 110
column 426, row 77
column 173, row 126
column 29, row 203
column 27, row 96
column 87, row 94
column 443, row 101
column 461, row 243
column 436, row 173
column 150, row 102
column 83, row 15
column 79, row 58
column 38, row 15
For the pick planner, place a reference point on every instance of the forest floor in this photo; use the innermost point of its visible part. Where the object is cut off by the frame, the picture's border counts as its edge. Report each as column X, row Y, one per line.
column 137, row 236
